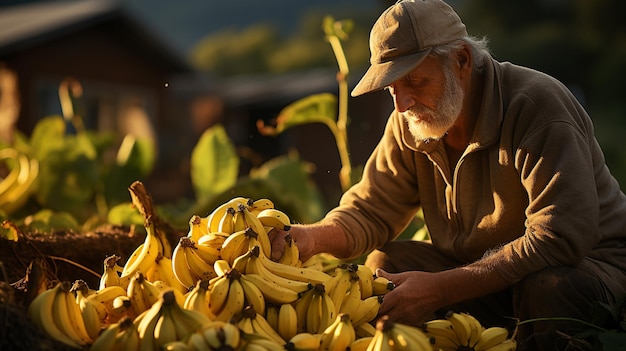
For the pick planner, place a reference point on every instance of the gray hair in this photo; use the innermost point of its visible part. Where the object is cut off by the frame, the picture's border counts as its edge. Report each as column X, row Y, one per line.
column 479, row 46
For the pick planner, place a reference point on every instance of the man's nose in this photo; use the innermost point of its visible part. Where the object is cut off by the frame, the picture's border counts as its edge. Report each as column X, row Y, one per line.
column 402, row 100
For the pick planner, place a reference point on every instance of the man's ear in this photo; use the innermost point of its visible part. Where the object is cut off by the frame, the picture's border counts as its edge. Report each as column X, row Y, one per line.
column 464, row 60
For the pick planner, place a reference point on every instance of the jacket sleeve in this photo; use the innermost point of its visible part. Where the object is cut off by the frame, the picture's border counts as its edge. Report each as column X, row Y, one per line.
column 382, row 204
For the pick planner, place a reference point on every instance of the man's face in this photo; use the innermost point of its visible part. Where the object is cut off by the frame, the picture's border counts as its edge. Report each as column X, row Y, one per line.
column 430, row 99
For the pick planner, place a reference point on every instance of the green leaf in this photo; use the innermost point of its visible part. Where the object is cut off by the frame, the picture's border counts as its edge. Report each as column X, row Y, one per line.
column 47, row 221
column 125, row 214
column 320, row 108
column 214, row 163
column 48, row 134
column 291, row 176
column 68, row 173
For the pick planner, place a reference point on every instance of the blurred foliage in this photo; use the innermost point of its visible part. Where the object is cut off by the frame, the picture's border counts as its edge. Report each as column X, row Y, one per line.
column 261, row 48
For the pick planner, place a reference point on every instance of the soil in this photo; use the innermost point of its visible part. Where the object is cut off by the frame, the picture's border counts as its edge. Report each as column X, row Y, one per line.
column 39, row 261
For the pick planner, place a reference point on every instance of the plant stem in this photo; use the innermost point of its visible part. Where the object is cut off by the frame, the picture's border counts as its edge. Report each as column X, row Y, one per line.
column 340, row 131
column 569, row 319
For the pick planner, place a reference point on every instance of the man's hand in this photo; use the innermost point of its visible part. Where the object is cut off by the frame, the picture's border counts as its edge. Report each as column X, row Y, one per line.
column 414, row 300
column 300, row 237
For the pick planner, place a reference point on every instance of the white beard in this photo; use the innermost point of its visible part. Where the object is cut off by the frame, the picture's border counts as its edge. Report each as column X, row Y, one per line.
column 426, row 124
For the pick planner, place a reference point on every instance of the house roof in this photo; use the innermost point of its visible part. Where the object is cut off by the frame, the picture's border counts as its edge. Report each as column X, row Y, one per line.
column 25, row 26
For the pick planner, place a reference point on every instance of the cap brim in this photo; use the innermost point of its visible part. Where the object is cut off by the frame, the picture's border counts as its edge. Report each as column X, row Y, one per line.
column 383, row 74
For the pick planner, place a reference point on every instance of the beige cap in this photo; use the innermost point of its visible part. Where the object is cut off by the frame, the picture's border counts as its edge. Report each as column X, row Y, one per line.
column 403, row 36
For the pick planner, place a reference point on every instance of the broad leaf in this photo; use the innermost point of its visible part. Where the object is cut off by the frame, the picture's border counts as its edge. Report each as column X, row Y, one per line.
column 320, row 108
column 214, row 163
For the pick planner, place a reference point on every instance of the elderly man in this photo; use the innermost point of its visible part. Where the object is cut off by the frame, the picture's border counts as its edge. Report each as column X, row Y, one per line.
column 526, row 221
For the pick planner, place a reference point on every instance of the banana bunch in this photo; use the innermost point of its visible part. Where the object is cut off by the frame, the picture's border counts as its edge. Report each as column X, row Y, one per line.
column 165, row 321
column 57, row 313
column 392, row 336
column 258, row 342
column 339, row 335
column 250, row 322
column 215, row 336
column 226, row 295
column 94, row 313
column 315, row 310
column 111, row 273
column 19, row 183
column 352, row 291
column 274, row 288
column 304, row 342
column 462, row 330
column 119, row 336
column 192, row 262
column 198, row 299
column 142, row 293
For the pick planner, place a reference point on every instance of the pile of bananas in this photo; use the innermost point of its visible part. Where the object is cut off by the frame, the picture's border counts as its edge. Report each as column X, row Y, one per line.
column 19, row 182
column 462, row 331
column 218, row 289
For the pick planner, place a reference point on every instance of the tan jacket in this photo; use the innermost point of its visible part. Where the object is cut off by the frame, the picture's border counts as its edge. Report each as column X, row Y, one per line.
column 533, row 181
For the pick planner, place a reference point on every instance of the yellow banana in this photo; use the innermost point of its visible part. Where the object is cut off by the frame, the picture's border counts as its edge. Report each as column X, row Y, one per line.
column 272, row 217
column 180, row 267
column 213, row 240
column 442, row 329
column 197, row 228
column 88, row 308
column 294, row 273
column 227, row 222
column 18, row 188
column 221, row 267
column 198, row 299
column 272, row 291
column 364, row 330
column 491, row 337
column 341, row 286
column 218, row 293
column 186, row 321
column 352, row 301
column 234, row 303
column 163, row 270
column 176, row 346
column 302, row 306
column 117, row 337
column 476, row 328
column 366, row 277
column 261, row 326
column 146, row 256
column 67, row 315
column 110, row 275
column 213, row 219
column 338, row 335
column 41, row 311
column 361, row 344
column 367, row 310
column 287, row 326
column 207, row 251
column 257, row 342
column 382, row 285
column 408, row 338
column 232, row 336
column 291, row 254
column 253, row 296
column 165, row 329
column 121, row 308
column 260, row 205
column 199, row 268
column 319, row 313
column 235, row 245
column 507, row 345
column 461, row 326
column 303, row 342
column 271, row 314
column 255, row 266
